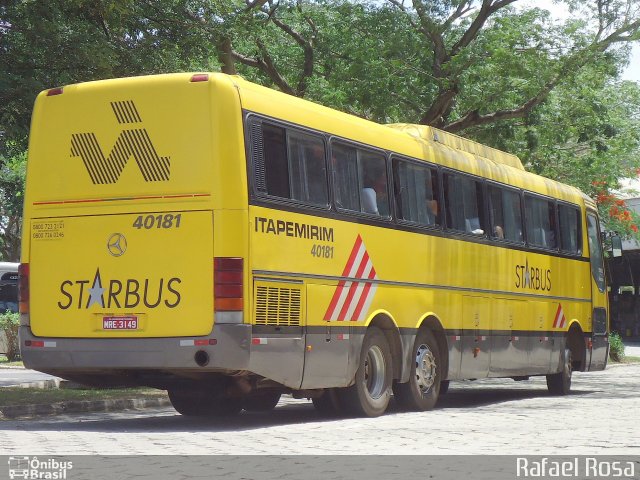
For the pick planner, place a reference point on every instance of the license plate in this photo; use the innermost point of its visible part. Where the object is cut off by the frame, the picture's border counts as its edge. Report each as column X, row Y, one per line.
column 120, row 323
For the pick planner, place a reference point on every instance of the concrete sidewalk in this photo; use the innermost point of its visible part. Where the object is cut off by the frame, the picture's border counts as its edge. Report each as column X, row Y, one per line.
column 632, row 349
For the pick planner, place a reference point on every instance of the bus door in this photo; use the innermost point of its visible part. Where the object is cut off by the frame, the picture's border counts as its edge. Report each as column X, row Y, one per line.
column 599, row 342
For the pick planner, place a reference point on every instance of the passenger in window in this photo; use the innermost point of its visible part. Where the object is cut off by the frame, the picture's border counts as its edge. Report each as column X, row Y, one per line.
column 498, row 232
column 374, row 195
column 382, row 197
column 472, row 225
column 432, row 211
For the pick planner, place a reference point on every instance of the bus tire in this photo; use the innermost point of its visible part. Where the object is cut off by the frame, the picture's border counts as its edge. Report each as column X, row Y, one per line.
column 422, row 390
column 560, row 383
column 203, row 403
column 261, row 402
column 327, row 404
column 370, row 394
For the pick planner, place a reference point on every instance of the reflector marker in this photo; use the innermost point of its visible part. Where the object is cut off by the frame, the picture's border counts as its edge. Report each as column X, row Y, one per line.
column 560, row 320
column 258, row 341
column 40, row 343
column 192, row 342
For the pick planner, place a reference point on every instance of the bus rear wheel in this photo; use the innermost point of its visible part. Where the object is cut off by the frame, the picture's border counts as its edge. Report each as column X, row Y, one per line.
column 369, row 395
column 560, row 383
column 261, row 402
column 203, row 403
column 422, row 390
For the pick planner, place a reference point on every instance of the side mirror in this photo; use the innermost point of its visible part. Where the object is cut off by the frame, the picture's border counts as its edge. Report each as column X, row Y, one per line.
column 616, row 246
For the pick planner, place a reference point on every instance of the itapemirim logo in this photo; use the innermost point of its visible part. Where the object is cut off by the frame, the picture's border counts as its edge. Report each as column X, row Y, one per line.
column 132, row 142
column 34, row 468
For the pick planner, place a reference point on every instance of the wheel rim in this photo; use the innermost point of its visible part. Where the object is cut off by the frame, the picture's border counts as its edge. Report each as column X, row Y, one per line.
column 425, row 368
column 375, row 372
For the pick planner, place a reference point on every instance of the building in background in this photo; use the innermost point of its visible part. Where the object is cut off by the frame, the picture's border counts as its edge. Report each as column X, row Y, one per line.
column 624, row 278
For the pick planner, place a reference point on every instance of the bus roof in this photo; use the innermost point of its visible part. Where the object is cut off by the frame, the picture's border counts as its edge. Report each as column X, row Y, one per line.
column 417, row 141
column 432, row 134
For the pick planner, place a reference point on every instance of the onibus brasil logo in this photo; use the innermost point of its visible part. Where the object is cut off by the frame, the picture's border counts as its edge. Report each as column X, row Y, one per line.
column 32, row 468
column 132, row 142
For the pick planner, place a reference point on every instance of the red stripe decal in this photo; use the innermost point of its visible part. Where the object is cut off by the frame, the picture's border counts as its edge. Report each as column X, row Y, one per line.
column 345, row 272
column 364, row 296
column 354, row 287
column 334, row 300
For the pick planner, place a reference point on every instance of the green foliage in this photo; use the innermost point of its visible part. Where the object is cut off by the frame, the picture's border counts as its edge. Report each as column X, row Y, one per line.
column 12, row 176
column 616, row 347
column 516, row 79
column 9, row 323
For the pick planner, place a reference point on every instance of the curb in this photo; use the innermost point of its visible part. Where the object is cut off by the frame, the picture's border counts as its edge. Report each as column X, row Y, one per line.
column 81, row 406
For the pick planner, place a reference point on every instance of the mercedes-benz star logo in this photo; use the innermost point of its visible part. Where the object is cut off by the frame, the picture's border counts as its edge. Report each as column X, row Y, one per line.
column 117, row 244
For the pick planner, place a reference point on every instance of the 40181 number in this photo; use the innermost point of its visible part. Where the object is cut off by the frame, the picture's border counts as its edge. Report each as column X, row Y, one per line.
column 148, row 222
column 322, row 251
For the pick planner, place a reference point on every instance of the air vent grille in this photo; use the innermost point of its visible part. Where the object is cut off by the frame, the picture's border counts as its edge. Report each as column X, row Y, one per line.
column 278, row 306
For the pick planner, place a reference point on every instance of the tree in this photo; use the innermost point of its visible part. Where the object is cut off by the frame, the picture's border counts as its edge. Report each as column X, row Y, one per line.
column 12, row 174
column 510, row 77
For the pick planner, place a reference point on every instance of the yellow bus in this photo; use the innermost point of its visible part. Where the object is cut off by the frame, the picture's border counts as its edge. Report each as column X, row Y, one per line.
column 228, row 243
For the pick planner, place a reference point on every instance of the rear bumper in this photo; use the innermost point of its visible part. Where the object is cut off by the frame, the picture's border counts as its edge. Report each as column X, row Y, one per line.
column 231, row 351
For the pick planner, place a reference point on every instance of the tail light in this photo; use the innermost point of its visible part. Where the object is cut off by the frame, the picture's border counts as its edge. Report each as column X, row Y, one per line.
column 228, row 285
column 23, row 287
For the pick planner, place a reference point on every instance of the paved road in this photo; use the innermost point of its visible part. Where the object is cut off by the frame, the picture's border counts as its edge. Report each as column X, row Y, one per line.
column 494, row 416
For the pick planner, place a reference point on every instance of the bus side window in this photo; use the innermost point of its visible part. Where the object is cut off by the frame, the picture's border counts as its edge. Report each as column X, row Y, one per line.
column 541, row 222
column 506, row 214
column 294, row 165
column 308, row 171
column 344, row 161
column 360, row 179
column 463, row 199
column 570, row 228
column 373, row 174
column 416, row 192
column 275, row 161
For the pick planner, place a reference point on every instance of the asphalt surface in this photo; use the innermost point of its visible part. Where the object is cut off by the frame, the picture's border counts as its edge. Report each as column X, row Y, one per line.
column 496, row 416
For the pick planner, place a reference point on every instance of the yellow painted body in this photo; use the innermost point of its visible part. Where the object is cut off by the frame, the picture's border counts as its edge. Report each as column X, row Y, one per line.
column 198, row 127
